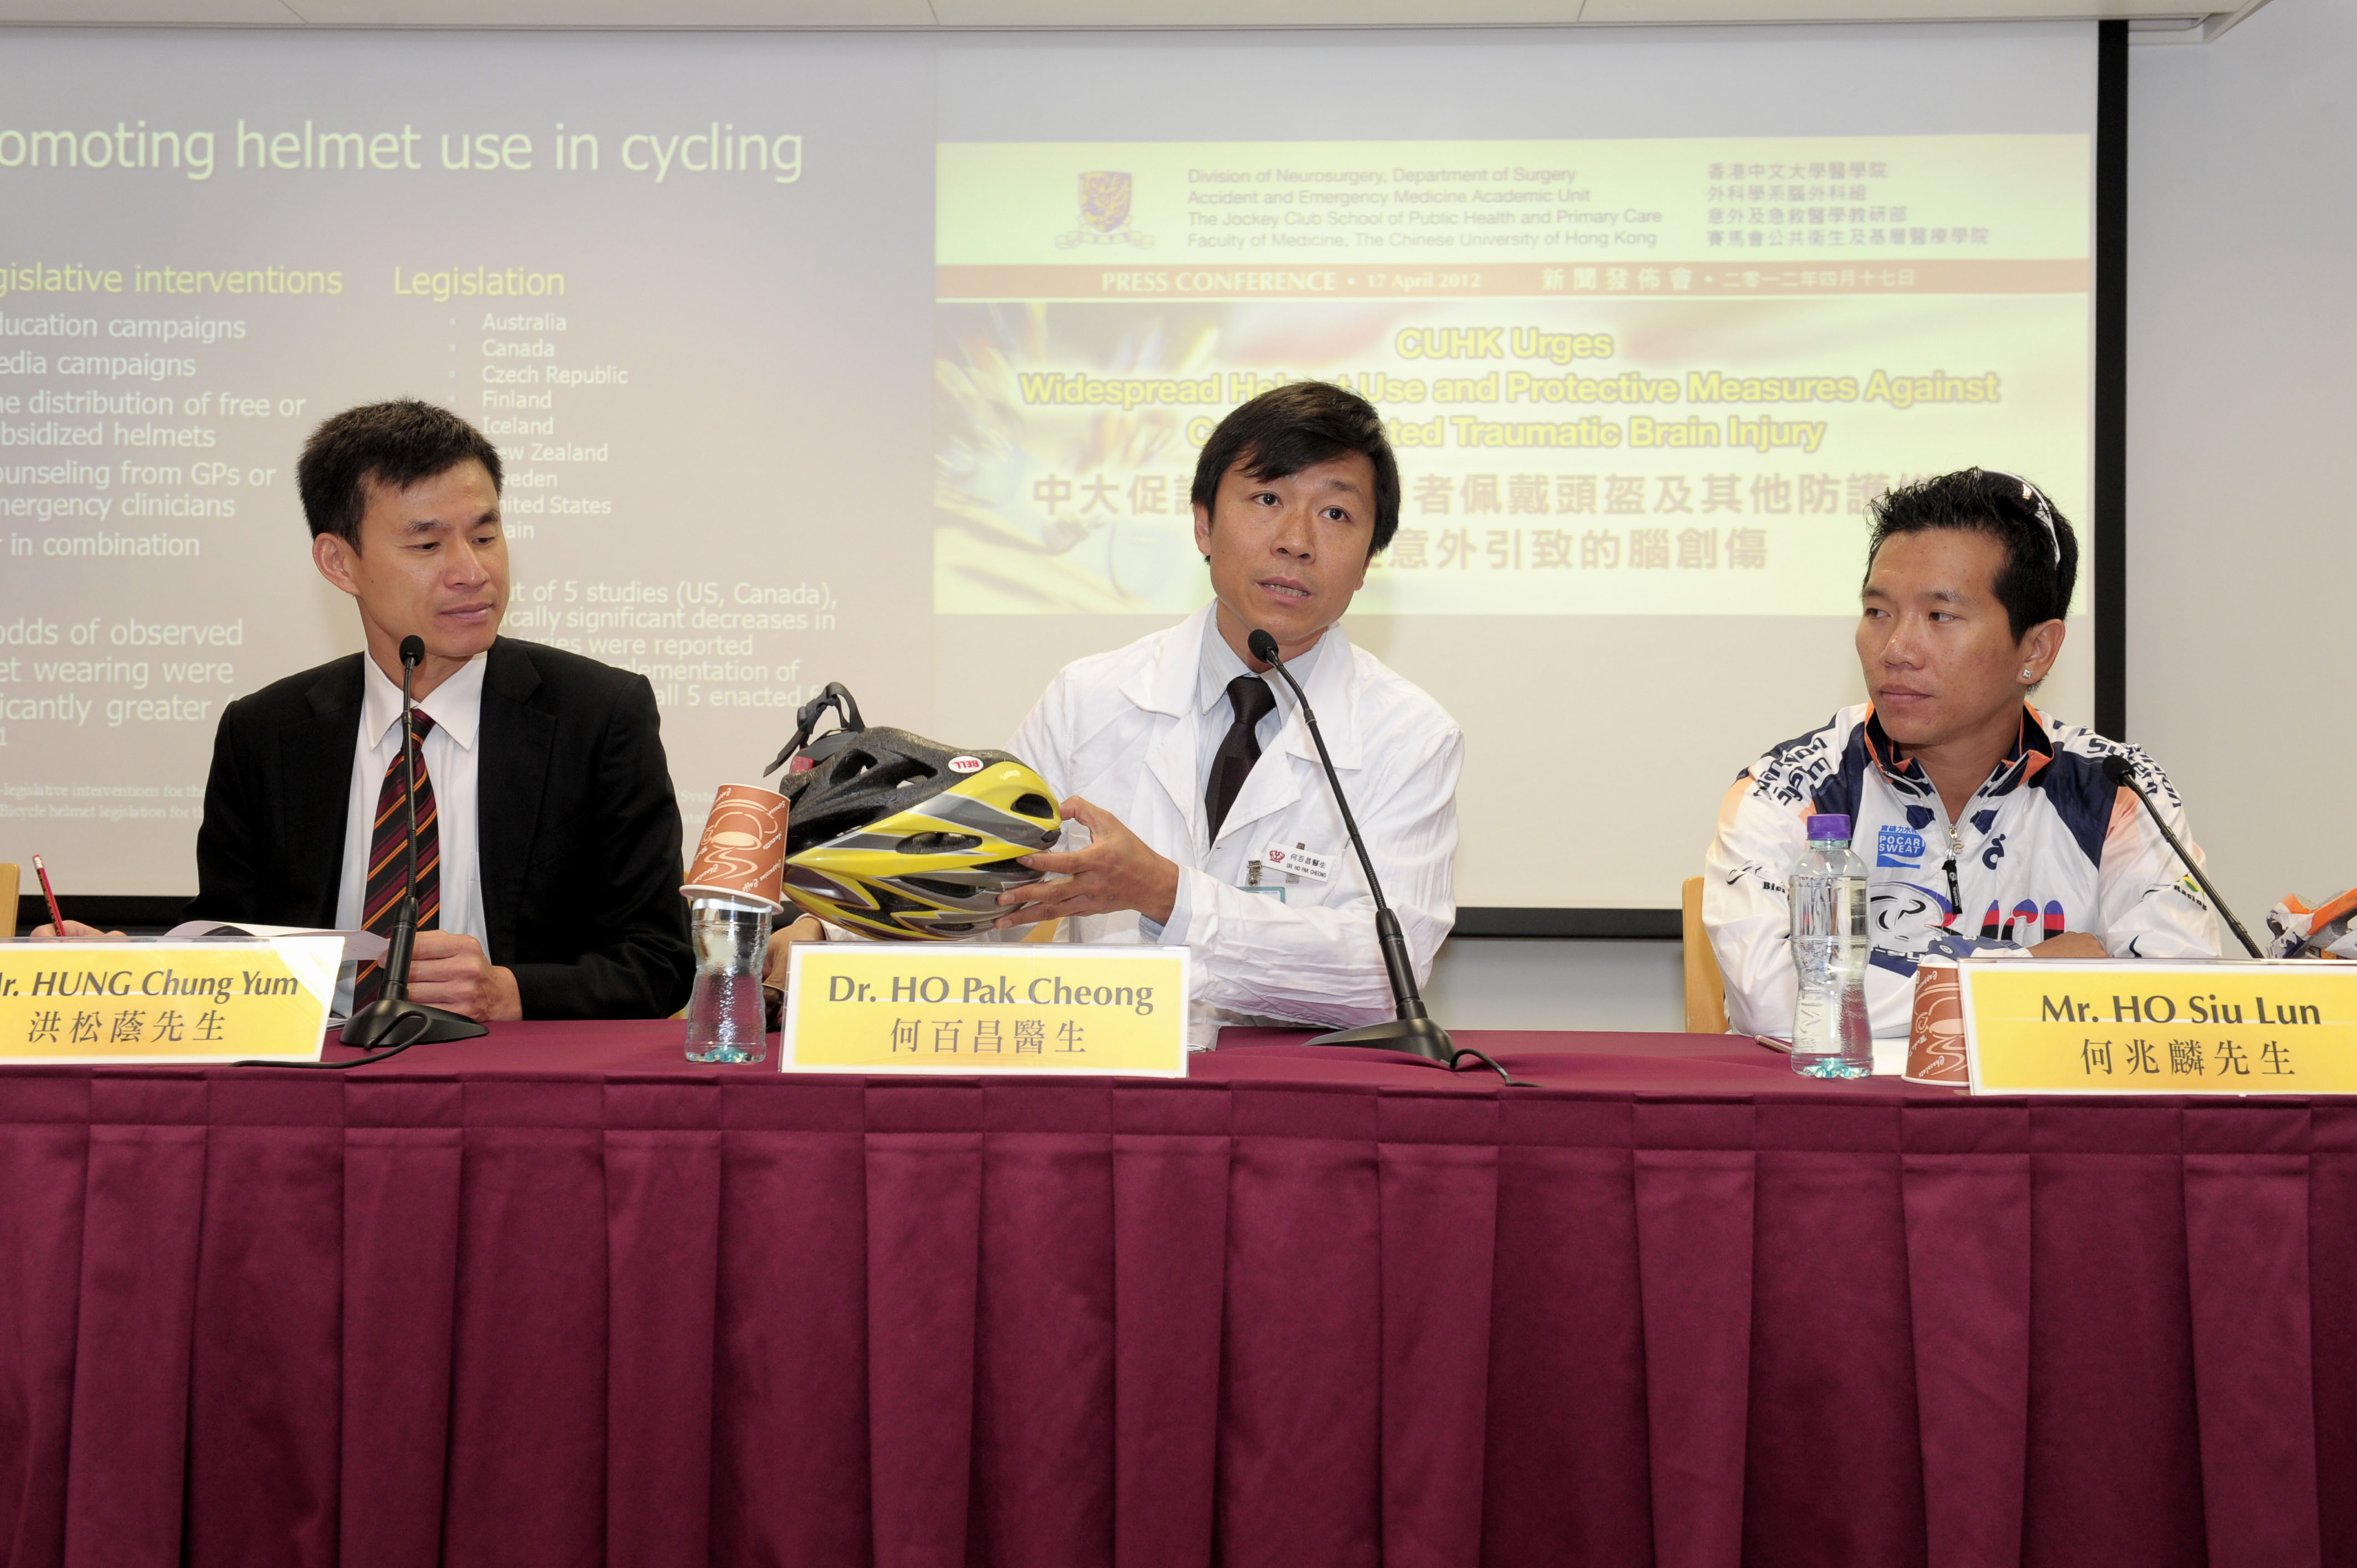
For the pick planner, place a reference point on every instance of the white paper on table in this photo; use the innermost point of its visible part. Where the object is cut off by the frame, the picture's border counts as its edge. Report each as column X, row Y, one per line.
column 313, row 963
column 360, row 947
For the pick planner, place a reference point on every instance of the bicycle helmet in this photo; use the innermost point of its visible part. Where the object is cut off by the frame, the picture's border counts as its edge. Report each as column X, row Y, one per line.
column 896, row 836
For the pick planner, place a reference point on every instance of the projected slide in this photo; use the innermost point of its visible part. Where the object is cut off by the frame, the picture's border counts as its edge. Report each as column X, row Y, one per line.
column 620, row 261
column 1657, row 377
column 885, row 358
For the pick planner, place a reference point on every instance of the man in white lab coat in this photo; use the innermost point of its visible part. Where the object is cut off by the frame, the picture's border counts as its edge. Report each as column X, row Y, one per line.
column 1211, row 823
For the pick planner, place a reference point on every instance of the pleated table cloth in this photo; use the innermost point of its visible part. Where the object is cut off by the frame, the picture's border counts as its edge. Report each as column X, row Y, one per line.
column 560, row 1297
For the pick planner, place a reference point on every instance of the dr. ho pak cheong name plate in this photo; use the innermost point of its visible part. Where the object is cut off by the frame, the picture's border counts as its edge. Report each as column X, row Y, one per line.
column 969, row 1008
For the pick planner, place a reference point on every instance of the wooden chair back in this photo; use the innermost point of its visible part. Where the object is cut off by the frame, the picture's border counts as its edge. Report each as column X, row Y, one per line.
column 1706, row 987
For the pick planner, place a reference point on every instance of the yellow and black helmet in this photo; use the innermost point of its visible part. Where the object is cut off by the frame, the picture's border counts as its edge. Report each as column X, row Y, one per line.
column 896, row 836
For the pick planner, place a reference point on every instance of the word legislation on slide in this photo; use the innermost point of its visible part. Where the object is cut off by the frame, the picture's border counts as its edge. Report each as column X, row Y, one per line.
column 2134, row 1028
column 112, row 1004
column 963, row 1009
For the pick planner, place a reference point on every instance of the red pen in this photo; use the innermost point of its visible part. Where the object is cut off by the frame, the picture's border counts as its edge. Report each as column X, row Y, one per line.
column 56, row 919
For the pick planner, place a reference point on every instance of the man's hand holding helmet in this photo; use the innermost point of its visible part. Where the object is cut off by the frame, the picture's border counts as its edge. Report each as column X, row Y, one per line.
column 1116, row 872
column 781, row 947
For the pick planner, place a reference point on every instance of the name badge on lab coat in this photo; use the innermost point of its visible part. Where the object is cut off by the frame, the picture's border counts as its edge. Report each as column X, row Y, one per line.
column 1296, row 860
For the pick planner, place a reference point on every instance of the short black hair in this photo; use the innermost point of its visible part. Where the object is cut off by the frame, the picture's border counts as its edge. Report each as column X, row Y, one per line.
column 1293, row 428
column 395, row 445
column 2041, row 564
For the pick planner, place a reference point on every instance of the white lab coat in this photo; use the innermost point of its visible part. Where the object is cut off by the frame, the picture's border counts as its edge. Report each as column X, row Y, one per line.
column 1122, row 729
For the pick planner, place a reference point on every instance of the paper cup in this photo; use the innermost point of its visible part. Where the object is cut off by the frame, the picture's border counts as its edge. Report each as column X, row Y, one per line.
column 743, row 852
column 1936, row 1037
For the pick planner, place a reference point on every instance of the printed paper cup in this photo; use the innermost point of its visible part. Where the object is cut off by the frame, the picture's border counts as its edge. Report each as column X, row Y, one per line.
column 1935, row 1038
column 743, row 852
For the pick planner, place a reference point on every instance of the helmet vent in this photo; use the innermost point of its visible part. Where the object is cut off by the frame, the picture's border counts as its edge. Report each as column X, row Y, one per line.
column 878, row 773
column 939, row 843
column 1034, row 805
column 937, row 888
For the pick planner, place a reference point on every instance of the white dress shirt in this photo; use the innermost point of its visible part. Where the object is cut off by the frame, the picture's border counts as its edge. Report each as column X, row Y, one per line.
column 1131, row 730
column 1222, row 665
column 456, row 708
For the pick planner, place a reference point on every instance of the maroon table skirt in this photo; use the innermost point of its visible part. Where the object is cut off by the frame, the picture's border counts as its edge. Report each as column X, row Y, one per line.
column 557, row 1297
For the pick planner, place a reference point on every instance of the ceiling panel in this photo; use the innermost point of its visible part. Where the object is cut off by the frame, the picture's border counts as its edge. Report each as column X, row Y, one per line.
column 150, row 13
column 616, row 13
column 1687, row 11
column 1081, row 13
column 1254, row 13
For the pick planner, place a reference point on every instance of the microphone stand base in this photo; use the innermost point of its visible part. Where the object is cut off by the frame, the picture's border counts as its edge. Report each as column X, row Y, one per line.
column 1417, row 1036
column 386, row 1023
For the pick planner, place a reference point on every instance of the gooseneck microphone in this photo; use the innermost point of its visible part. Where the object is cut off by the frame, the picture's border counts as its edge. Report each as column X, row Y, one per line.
column 392, row 1020
column 2121, row 771
column 1411, row 1029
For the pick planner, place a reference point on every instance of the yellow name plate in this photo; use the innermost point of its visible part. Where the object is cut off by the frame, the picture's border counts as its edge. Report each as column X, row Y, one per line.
column 1047, row 1007
column 101, row 1003
column 2130, row 1027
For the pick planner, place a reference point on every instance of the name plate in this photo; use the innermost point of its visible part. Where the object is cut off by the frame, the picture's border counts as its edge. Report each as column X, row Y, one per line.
column 1047, row 1007
column 2131, row 1026
column 102, row 1003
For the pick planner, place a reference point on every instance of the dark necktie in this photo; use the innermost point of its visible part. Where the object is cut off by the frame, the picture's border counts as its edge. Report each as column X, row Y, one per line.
column 387, row 873
column 1238, row 750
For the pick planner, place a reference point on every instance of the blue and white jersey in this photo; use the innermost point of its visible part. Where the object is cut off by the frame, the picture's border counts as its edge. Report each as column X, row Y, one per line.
column 2047, row 845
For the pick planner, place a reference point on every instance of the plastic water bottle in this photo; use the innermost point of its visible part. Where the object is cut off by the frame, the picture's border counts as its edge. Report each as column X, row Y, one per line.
column 725, row 1020
column 1831, row 1036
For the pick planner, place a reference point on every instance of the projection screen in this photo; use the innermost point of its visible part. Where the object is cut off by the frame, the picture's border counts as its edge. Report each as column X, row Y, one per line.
column 885, row 358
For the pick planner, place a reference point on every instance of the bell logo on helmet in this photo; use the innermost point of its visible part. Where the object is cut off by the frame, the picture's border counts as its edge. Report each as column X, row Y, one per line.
column 966, row 764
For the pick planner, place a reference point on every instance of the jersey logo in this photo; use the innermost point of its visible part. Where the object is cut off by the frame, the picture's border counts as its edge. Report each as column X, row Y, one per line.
column 1897, row 907
column 1995, row 853
column 2027, row 925
column 1896, row 846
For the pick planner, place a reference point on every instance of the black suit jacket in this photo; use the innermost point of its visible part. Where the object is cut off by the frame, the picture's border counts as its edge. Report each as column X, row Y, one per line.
column 578, row 828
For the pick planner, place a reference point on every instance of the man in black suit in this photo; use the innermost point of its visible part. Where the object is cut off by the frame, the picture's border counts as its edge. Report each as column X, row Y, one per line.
column 552, row 871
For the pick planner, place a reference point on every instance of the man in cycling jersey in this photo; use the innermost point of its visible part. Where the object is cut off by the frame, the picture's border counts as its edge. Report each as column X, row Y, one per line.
column 1977, row 815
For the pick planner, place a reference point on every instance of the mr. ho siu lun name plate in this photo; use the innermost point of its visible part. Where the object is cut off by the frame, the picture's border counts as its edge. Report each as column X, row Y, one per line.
column 2128, row 1026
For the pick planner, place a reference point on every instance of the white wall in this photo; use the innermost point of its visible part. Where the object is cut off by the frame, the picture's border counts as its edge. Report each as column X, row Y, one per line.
column 2242, row 323
column 1524, row 984
column 2241, row 522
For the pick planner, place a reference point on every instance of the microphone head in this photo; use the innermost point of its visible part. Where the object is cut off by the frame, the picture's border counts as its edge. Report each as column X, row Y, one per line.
column 2118, row 769
column 1263, row 646
column 413, row 652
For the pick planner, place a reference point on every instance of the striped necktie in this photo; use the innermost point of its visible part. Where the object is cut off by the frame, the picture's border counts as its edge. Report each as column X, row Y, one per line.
column 387, row 873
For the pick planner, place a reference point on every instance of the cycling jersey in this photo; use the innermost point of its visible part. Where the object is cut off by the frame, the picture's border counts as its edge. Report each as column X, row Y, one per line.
column 2047, row 845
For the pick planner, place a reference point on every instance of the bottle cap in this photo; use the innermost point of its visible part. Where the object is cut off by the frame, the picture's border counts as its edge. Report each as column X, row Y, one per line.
column 1828, row 826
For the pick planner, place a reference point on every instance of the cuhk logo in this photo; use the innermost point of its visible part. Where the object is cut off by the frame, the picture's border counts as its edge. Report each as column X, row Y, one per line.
column 1104, row 213
column 966, row 764
column 1277, row 857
